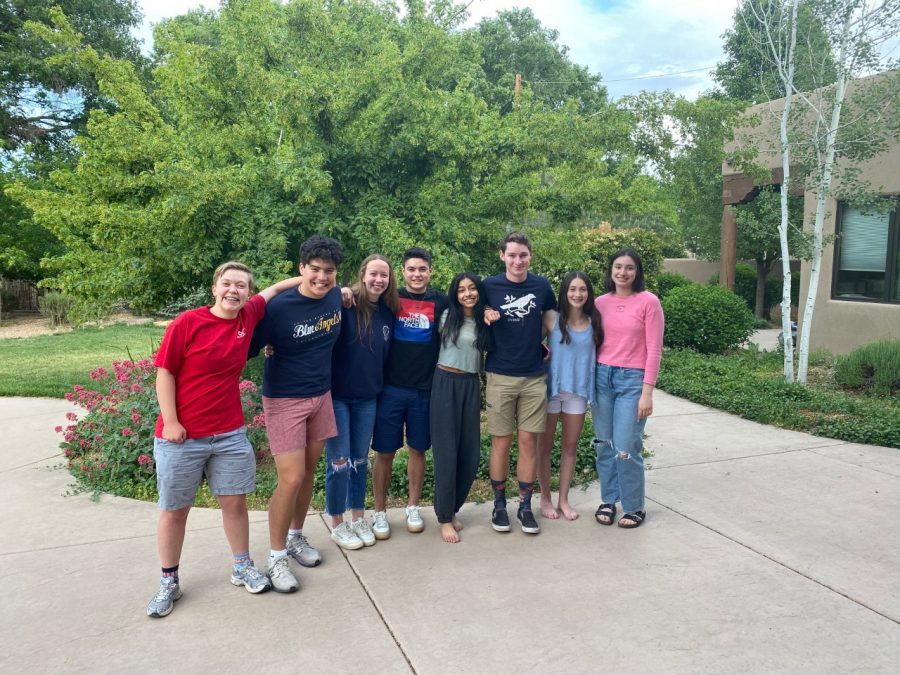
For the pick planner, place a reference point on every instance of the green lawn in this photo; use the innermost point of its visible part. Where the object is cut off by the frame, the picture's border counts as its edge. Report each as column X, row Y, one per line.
column 50, row 365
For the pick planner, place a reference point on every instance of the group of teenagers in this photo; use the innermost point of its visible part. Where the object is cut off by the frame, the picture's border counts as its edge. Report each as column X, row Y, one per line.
column 377, row 366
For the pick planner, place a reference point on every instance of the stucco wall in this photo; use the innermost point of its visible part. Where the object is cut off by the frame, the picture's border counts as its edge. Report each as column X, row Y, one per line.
column 838, row 325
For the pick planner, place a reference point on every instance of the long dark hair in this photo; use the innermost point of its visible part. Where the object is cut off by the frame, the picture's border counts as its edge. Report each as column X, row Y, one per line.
column 638, row 285
column 364, row 307
column 589, row 310
column 455, row 316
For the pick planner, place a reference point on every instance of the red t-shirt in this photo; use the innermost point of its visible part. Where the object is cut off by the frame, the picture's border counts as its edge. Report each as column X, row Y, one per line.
column 206, row 354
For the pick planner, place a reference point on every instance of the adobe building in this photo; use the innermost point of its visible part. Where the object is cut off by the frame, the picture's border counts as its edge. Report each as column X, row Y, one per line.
column 858, row 299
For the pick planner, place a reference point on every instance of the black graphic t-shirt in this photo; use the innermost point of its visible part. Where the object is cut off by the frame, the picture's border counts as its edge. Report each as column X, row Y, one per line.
column 517, row 335
column 416, row 341
column 303, row 332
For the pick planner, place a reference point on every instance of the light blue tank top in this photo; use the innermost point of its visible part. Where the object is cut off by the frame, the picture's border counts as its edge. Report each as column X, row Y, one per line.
column 572, row 365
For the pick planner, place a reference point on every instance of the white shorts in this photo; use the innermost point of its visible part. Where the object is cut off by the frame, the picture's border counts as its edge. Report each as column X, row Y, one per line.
column 568, row 403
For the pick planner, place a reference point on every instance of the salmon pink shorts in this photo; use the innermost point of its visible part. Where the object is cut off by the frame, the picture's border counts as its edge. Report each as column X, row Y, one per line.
column 294, row 423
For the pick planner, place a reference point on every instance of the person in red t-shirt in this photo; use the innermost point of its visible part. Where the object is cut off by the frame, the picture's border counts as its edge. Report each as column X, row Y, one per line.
column 201, row 429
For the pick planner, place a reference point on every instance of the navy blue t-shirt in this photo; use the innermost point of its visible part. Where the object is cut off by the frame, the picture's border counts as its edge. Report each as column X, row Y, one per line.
column 517, row 335
column 357, row 366
column 303, row 332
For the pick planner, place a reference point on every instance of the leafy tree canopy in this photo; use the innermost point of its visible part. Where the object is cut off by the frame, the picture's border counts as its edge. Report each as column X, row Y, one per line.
column 266, row 122
column 747, row 74
column 39, row 101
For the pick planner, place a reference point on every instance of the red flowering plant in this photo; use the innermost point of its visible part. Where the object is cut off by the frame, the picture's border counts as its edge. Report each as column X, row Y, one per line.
column 110, row 447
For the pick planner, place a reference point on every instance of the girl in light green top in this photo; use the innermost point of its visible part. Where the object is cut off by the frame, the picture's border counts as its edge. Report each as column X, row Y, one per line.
column 456, row 400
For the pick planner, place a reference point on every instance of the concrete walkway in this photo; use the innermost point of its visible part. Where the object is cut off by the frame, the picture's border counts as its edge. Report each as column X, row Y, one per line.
column 764, row 551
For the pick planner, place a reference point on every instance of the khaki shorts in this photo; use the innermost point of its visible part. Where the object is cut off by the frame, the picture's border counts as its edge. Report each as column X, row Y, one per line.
column 516, row 403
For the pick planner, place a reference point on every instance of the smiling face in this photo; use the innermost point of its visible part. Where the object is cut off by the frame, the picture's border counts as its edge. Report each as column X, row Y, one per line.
column 467, row 295
column 231, row 291
column 376, row 278
column 517, row 258
column 623, row 272
column 416, row 274
column 318, row 276
column 577, row 293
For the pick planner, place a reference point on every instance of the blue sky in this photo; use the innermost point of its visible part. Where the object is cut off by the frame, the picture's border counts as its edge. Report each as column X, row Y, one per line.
column 633, row 44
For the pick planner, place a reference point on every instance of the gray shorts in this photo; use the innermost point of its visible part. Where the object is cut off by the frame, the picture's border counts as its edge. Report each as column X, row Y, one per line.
column 226, row 459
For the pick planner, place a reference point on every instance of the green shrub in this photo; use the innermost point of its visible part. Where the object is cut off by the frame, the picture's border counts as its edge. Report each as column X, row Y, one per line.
column 667, row 281
column 110, row 448
column 874, row 368
column 197, row 297
column 751, row 384
column 745, row 287
column 707, row 319
column 56, row 306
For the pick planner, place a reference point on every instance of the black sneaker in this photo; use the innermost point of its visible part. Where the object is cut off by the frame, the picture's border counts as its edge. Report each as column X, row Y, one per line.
column 529, row 524
column 500, row 519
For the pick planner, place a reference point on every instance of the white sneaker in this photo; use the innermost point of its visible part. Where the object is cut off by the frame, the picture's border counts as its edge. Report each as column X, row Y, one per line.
column 380, row 525
column 344, row 537
column 362, row 530
column 279, row 573
column 414, row 522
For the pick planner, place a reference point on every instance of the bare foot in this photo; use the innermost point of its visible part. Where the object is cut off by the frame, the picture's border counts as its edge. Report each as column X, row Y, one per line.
column 568, row 512
column 449, row 533
column 548, row 511
column 457, row 525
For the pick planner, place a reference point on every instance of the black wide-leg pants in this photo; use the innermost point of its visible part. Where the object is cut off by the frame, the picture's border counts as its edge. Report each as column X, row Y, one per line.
column 455, row 439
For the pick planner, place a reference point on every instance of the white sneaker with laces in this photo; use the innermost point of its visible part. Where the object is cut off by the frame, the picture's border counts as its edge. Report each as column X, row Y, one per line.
column 380, row 525
column 362, row 530
column 346, row 538
column 414, row 522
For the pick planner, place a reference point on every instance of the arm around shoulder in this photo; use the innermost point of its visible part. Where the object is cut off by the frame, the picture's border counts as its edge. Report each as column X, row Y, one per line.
column 282, row 286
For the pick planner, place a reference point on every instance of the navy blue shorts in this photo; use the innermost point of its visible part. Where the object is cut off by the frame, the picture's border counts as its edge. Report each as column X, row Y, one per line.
column 399, row 407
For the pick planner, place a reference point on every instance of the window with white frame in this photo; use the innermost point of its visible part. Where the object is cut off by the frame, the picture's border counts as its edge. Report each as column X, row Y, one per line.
column 867, row 256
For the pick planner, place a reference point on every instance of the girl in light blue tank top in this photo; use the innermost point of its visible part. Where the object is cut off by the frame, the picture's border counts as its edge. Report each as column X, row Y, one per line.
column 573, row 337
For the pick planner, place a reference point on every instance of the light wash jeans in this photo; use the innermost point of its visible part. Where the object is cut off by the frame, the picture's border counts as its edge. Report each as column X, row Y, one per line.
column 618, row 436
column 345, row 484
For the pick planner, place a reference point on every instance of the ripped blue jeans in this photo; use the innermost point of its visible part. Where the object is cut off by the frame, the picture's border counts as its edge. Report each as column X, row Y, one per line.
column 618, row 436
column 347, row 456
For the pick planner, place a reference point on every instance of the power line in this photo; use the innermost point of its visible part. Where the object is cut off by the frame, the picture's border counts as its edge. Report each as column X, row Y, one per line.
column 623, row 79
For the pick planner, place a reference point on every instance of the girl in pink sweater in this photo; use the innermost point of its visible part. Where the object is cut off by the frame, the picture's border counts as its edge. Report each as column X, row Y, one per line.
column 627, row 365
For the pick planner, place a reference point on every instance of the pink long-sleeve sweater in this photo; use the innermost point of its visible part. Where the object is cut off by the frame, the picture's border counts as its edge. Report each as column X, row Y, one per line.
column 632, row 332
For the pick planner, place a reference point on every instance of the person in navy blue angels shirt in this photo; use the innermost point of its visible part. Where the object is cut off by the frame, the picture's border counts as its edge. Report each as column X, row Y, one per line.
column 302, row 325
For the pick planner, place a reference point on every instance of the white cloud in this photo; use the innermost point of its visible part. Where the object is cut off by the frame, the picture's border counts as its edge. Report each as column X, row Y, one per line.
column 619, row 39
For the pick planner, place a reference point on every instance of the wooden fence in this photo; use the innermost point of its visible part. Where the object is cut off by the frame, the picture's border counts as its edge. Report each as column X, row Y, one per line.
column 18, row 295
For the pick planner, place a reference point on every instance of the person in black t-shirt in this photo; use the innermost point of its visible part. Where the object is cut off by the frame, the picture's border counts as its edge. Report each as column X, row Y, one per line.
column 404, row 405
column 516, row 394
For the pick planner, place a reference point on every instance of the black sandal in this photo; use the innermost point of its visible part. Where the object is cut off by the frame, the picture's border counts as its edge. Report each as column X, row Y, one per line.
column 637, row 517
column 607, row 511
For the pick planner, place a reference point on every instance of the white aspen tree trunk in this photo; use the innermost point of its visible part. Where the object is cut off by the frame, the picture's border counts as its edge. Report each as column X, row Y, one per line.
column 788, row 79
column 823, row 188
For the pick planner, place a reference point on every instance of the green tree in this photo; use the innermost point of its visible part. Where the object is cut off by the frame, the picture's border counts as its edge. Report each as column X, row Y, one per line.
column 513, row 42
column 747, row 74
column 40, row 103
column 264, row 123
